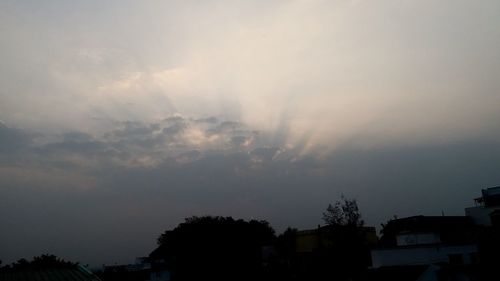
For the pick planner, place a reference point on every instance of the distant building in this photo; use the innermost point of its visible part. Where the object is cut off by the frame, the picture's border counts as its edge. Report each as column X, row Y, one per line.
column 144, row 268
column 487, row 208
column 160, row 271
column 317, row 251
column 426, row 240
column 312, row 240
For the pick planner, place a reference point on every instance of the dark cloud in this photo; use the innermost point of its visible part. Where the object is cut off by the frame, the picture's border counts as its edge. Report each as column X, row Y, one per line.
column 71, row 146
column 12, row 140
column 135, row 129
column 211, row 120
column 239, row 140
column 174, row 119
column 228, row 126
column 174, row 129
column 77, row 137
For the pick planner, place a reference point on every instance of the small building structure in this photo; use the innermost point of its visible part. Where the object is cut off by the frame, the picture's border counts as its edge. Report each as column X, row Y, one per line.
column 312, row 240
column 426, row 240
column 144, row 269
column 486, row 211
column 159, row 271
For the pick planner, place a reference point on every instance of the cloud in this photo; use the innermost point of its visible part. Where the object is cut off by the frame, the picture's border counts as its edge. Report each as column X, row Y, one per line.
column 313, row 74
column 131, row 144
column 12, row 140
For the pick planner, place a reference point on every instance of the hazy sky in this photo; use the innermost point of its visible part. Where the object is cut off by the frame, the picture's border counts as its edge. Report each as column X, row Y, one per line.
column 120, row 118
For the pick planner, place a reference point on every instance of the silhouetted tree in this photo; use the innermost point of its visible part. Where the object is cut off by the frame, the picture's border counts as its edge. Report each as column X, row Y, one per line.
column 45, row 261
column 347, row 252
column 344, row 212
column 218, row 248
column 286, row 242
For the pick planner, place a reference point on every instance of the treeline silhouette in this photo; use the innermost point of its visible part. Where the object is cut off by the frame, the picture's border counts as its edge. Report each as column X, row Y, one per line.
column 45, row 268
column 222, row 248
column 45, row 261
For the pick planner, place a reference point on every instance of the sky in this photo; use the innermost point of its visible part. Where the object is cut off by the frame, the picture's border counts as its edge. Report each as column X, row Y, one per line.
column 118, row 119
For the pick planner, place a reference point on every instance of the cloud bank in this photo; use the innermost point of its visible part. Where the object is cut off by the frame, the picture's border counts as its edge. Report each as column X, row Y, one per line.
column 319, row 73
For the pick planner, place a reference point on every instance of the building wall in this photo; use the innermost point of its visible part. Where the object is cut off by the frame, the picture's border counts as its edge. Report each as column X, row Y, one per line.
column 422, row 255
column 163, row 275
column 307, row 242
column 417, row 239
column 480, row 214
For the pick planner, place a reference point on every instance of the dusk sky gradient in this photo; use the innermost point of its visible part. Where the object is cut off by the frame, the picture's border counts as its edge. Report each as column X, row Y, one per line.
column 118, row 119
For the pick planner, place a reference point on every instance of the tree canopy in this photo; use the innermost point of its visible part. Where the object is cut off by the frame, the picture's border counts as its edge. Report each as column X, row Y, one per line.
column 344, row 212
column 347, row 252
column 40, row 262
column 214, row 248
